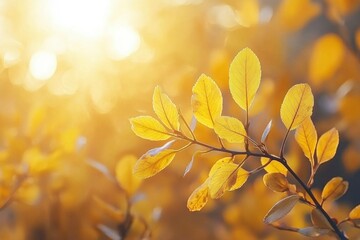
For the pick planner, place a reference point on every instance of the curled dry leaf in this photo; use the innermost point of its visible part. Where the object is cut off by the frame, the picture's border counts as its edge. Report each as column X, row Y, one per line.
column 297, row 105
column 206, row 101
column 149, row 128
column 244, row 78
column 165, row 109
column 149, row 165
column 334, row 189
column 313, row 231
column 230, row 129
column 281, row 208
column 277, row 182
column 319, row 220
column 327, row 146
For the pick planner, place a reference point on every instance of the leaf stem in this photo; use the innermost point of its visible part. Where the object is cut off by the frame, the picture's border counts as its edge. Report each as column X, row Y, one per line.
column 283, row 161
column 317, row 204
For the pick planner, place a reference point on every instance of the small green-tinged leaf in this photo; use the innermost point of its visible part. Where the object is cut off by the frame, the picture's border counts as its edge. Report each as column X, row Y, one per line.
column 334, row 189
column 281, row 208
column 327, row 146
column 273, row 166
column 297, row 106
column 277, row 182
column 230, row 129
column 206, row 101
column 244, row 78
column 165, row 109
column 313, row 231
column 198, row 198
column 306, row 137
column 149, row 165
column 149, row 128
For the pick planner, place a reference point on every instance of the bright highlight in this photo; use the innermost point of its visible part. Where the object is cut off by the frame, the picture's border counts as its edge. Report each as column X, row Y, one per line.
column 124, row 40
column 82, row 17
column 43, row 65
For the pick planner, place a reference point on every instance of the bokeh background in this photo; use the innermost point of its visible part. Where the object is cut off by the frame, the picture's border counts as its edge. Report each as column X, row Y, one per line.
column 73, row 72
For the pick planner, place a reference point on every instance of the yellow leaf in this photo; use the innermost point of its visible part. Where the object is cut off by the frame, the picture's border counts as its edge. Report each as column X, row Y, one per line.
column 281, row 208
column 238, row 180
column 273, row 166
column 124, row 176
column 149, row 165
column 327, row 146
column 149, row 128
column 219, row 163
column 277, row 182
column 306, row 137
column 355, row 213
column 230, row 129
column 198, row 198
column 297, row 105
column 225, row 176
column 326, row 58
column 334, row 189
column 244, row 78
column 206, row 101
column 165, row 109
column 319, row 220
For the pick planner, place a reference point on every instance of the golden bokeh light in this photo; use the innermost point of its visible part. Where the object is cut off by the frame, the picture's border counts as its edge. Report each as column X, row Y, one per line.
column 124, row 40
column 42, row 65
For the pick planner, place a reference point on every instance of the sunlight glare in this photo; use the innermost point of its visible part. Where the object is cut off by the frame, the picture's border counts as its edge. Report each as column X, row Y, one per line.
column 43, row 65
column 124, row 40
column 83, row 17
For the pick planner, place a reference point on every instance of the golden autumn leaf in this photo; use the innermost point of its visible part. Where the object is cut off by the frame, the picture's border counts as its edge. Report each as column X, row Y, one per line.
column 327, row 146
column 281, row 208
column 244, row 78
column 124, row 176
column 230, row 129
column 206, row 101
column 326, row 58
column 149, row 128
column 273, row 166
column 149, row 165
column 355, row 213
column 198, row 198
column 277, row 182
column 306, row 137
column 225, row 176
column 297, row 105
column 334, row 189
column 165, row 109
column 319, row 220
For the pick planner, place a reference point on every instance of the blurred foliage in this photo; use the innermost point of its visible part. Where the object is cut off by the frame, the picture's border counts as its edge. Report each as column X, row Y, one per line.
column 69, row 88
